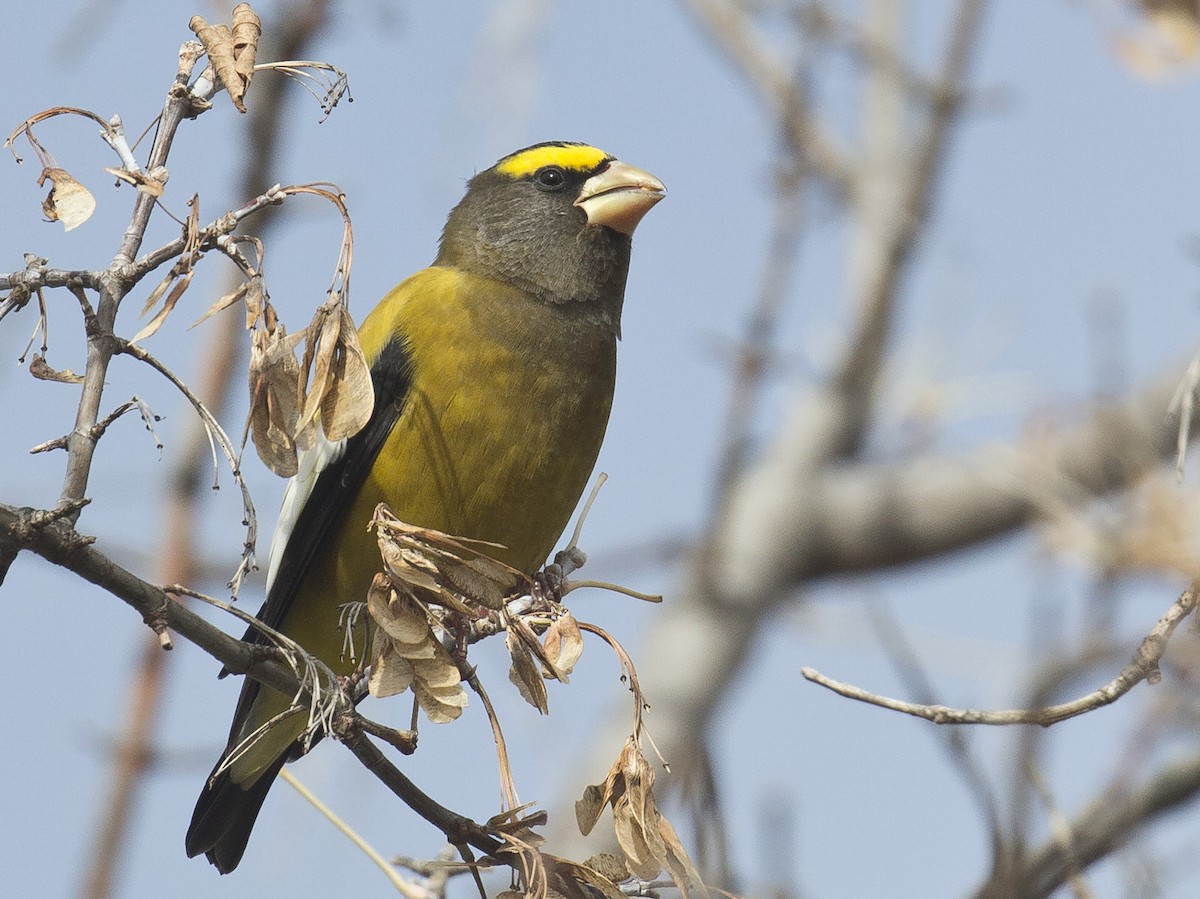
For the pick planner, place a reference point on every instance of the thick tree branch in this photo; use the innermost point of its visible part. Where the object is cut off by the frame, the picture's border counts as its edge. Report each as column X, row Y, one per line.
column 55, row 539
column 58, row 542
column 871, row 516
column 787, row 527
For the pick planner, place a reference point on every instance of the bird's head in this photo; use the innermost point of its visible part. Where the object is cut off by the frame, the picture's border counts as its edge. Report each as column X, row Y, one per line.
column 554, row 219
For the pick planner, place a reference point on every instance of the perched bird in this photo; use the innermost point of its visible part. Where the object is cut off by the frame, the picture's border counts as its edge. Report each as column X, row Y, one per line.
column 493, row 372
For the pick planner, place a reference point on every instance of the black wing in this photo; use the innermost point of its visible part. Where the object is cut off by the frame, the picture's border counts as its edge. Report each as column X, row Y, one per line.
column 225, row 811
column 327, row 506
column 337, row 486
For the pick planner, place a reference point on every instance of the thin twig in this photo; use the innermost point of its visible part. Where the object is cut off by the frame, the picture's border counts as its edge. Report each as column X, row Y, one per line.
column 404, row 887
column 459, row 830
column 295, row 29
column 627, row 670
column 1144, row 667
column 858, row 372
column 756, row 348
column 1060, row 832
column 216, row 433
column 730, row 26
column 907, row 662
column 508, row 786
column 209, row 236
column 114, row 285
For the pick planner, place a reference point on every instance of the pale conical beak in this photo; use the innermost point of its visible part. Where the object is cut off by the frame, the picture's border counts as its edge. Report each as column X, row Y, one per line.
column 619, row 196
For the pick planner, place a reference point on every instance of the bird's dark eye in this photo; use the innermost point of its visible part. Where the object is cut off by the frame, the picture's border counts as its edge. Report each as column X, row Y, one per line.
column 549, row 177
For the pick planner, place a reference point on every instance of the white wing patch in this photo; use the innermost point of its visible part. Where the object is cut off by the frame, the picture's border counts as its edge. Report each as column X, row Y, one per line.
column 312, row 462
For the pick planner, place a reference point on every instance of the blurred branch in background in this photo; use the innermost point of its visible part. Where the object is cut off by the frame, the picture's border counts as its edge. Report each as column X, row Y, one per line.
column 812, row 505
column 1099, row 830
column 754, row 556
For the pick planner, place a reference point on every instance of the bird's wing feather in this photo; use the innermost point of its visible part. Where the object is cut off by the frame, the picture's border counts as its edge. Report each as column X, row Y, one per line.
column 321, row 494
column 314, row 460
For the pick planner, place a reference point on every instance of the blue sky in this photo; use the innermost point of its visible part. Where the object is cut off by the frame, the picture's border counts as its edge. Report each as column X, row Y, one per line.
column 1072, row 181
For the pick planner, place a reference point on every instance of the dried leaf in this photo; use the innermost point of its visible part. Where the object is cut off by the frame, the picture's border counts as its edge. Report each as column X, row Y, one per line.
column 483, row 580
column 406, row 653
column 390, row 674
column 514, row 822
column 573, row 880
column 223, row 303
column 635, row 817
column 346, row 409
column 246, row 31
column 438, row 672
column 231, row 51
column 173, row 297
column 69, row 201
column 259, row 310
column 319, row 348
column 647, row 839
column 400, row 617
column 444, row 569
column 589, row 807
column 562, row 645
column 40, row 369
column 408, row 567
column 159, row 289
column 440, row 706
column 608, row 865
column 525, row 675
column 340, row 388
column 180, row 275
column 643, row 860
column 677, row 861
column 140, row 180
column 275, row 399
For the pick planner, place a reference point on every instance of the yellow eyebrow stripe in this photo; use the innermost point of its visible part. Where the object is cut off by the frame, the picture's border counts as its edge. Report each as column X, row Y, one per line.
column 578, row 157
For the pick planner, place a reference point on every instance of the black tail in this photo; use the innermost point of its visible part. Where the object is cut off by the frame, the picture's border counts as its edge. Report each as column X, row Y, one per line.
column 225, row 815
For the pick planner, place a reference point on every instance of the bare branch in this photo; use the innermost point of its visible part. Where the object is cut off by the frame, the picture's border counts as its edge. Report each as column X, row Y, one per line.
column 217, row 435
column 24, row 284
column 1060, row 832
column 208, row 237
column 1144, row 667
column 52, row 537
column 291, row 33
column 114, row 285
column 459, row 830
column 754, row 354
